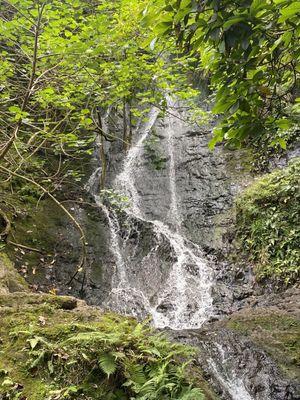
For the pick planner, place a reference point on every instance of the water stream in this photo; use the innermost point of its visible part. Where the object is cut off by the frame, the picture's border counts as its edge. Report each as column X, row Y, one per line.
column 223, row 372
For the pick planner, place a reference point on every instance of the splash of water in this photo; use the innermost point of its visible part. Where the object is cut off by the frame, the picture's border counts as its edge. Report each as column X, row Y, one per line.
column 227, row 377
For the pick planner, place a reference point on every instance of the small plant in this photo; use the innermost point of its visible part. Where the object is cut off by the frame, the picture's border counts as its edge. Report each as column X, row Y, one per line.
column 153, row 152
column 116, row 200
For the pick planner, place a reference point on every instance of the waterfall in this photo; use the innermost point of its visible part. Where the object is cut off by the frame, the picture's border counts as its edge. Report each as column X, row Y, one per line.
column 187, row 291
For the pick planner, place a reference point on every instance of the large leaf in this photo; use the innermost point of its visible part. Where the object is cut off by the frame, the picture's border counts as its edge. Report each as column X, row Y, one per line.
column 233, row 21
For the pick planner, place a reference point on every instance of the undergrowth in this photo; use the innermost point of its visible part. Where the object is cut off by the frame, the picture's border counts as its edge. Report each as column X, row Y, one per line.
column 268, row 224
column 109, row 358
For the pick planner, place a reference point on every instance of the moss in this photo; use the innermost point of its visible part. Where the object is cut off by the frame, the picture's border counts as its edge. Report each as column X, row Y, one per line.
column 267, row 220
column 54, row 347
column 10, row 280
column 274, row 331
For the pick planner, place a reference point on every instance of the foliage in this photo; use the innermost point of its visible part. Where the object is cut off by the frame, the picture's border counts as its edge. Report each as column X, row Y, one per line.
column 153, row 153
column 116, row 201
column 83, row 354
column 62, row 63
column 267, row 221
column 249, row 50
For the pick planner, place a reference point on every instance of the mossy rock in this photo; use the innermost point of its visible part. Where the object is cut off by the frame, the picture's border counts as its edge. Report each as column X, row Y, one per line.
column 10, row 280
column 276, row 332
column 56, row 347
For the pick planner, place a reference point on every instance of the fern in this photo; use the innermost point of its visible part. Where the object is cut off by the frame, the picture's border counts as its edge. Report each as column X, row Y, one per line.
column 135, row 375
column 107, row 363
column 144, row 365
column 192, row 394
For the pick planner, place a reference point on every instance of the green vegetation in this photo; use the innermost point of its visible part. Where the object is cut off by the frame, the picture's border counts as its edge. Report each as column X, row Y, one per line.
column 268, row 222
column 55, row 347
column 52, row 350
column 68, row 69
column 248, row 50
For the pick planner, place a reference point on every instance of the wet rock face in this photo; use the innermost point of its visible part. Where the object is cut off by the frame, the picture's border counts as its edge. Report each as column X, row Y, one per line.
column 237, row 368
column 146, row 258
column 203, row 187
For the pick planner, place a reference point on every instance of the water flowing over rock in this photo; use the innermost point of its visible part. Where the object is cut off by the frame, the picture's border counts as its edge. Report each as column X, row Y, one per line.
column 181, row 296
column 238, row 369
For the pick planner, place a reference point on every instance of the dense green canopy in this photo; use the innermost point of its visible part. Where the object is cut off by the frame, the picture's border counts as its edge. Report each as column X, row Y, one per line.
column 249, row 50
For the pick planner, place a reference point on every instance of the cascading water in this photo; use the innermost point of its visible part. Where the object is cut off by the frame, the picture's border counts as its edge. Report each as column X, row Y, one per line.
column 187, row 291
column 226, row 376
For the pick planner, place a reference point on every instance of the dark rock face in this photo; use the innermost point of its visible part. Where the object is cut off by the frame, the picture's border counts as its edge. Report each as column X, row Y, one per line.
column 239, row 369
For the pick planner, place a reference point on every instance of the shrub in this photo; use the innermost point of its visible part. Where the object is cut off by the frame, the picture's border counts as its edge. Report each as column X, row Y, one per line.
column 268, row 224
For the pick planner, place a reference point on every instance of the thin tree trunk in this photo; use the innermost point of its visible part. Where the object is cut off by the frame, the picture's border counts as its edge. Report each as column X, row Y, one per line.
column 124, row 125
column 129, row 126
column 103, row 163
column 127, row 129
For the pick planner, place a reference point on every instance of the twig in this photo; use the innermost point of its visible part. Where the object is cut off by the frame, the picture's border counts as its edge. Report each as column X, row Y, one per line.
column 22, row 246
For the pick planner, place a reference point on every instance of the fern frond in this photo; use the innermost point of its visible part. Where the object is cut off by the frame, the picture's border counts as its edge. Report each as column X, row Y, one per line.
column 192, row 394
column 107, row 363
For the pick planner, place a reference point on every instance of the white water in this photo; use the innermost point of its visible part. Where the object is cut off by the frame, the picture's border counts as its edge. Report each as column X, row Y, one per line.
column 188, row 292
column 233, row 384
column 125, row 180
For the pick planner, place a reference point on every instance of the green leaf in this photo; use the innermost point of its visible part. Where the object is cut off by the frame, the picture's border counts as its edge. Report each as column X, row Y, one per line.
column 222, row 106
column 233, row 21
column 107, row 363
column 33, row 342
column 282, row 143
column 291, row 10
